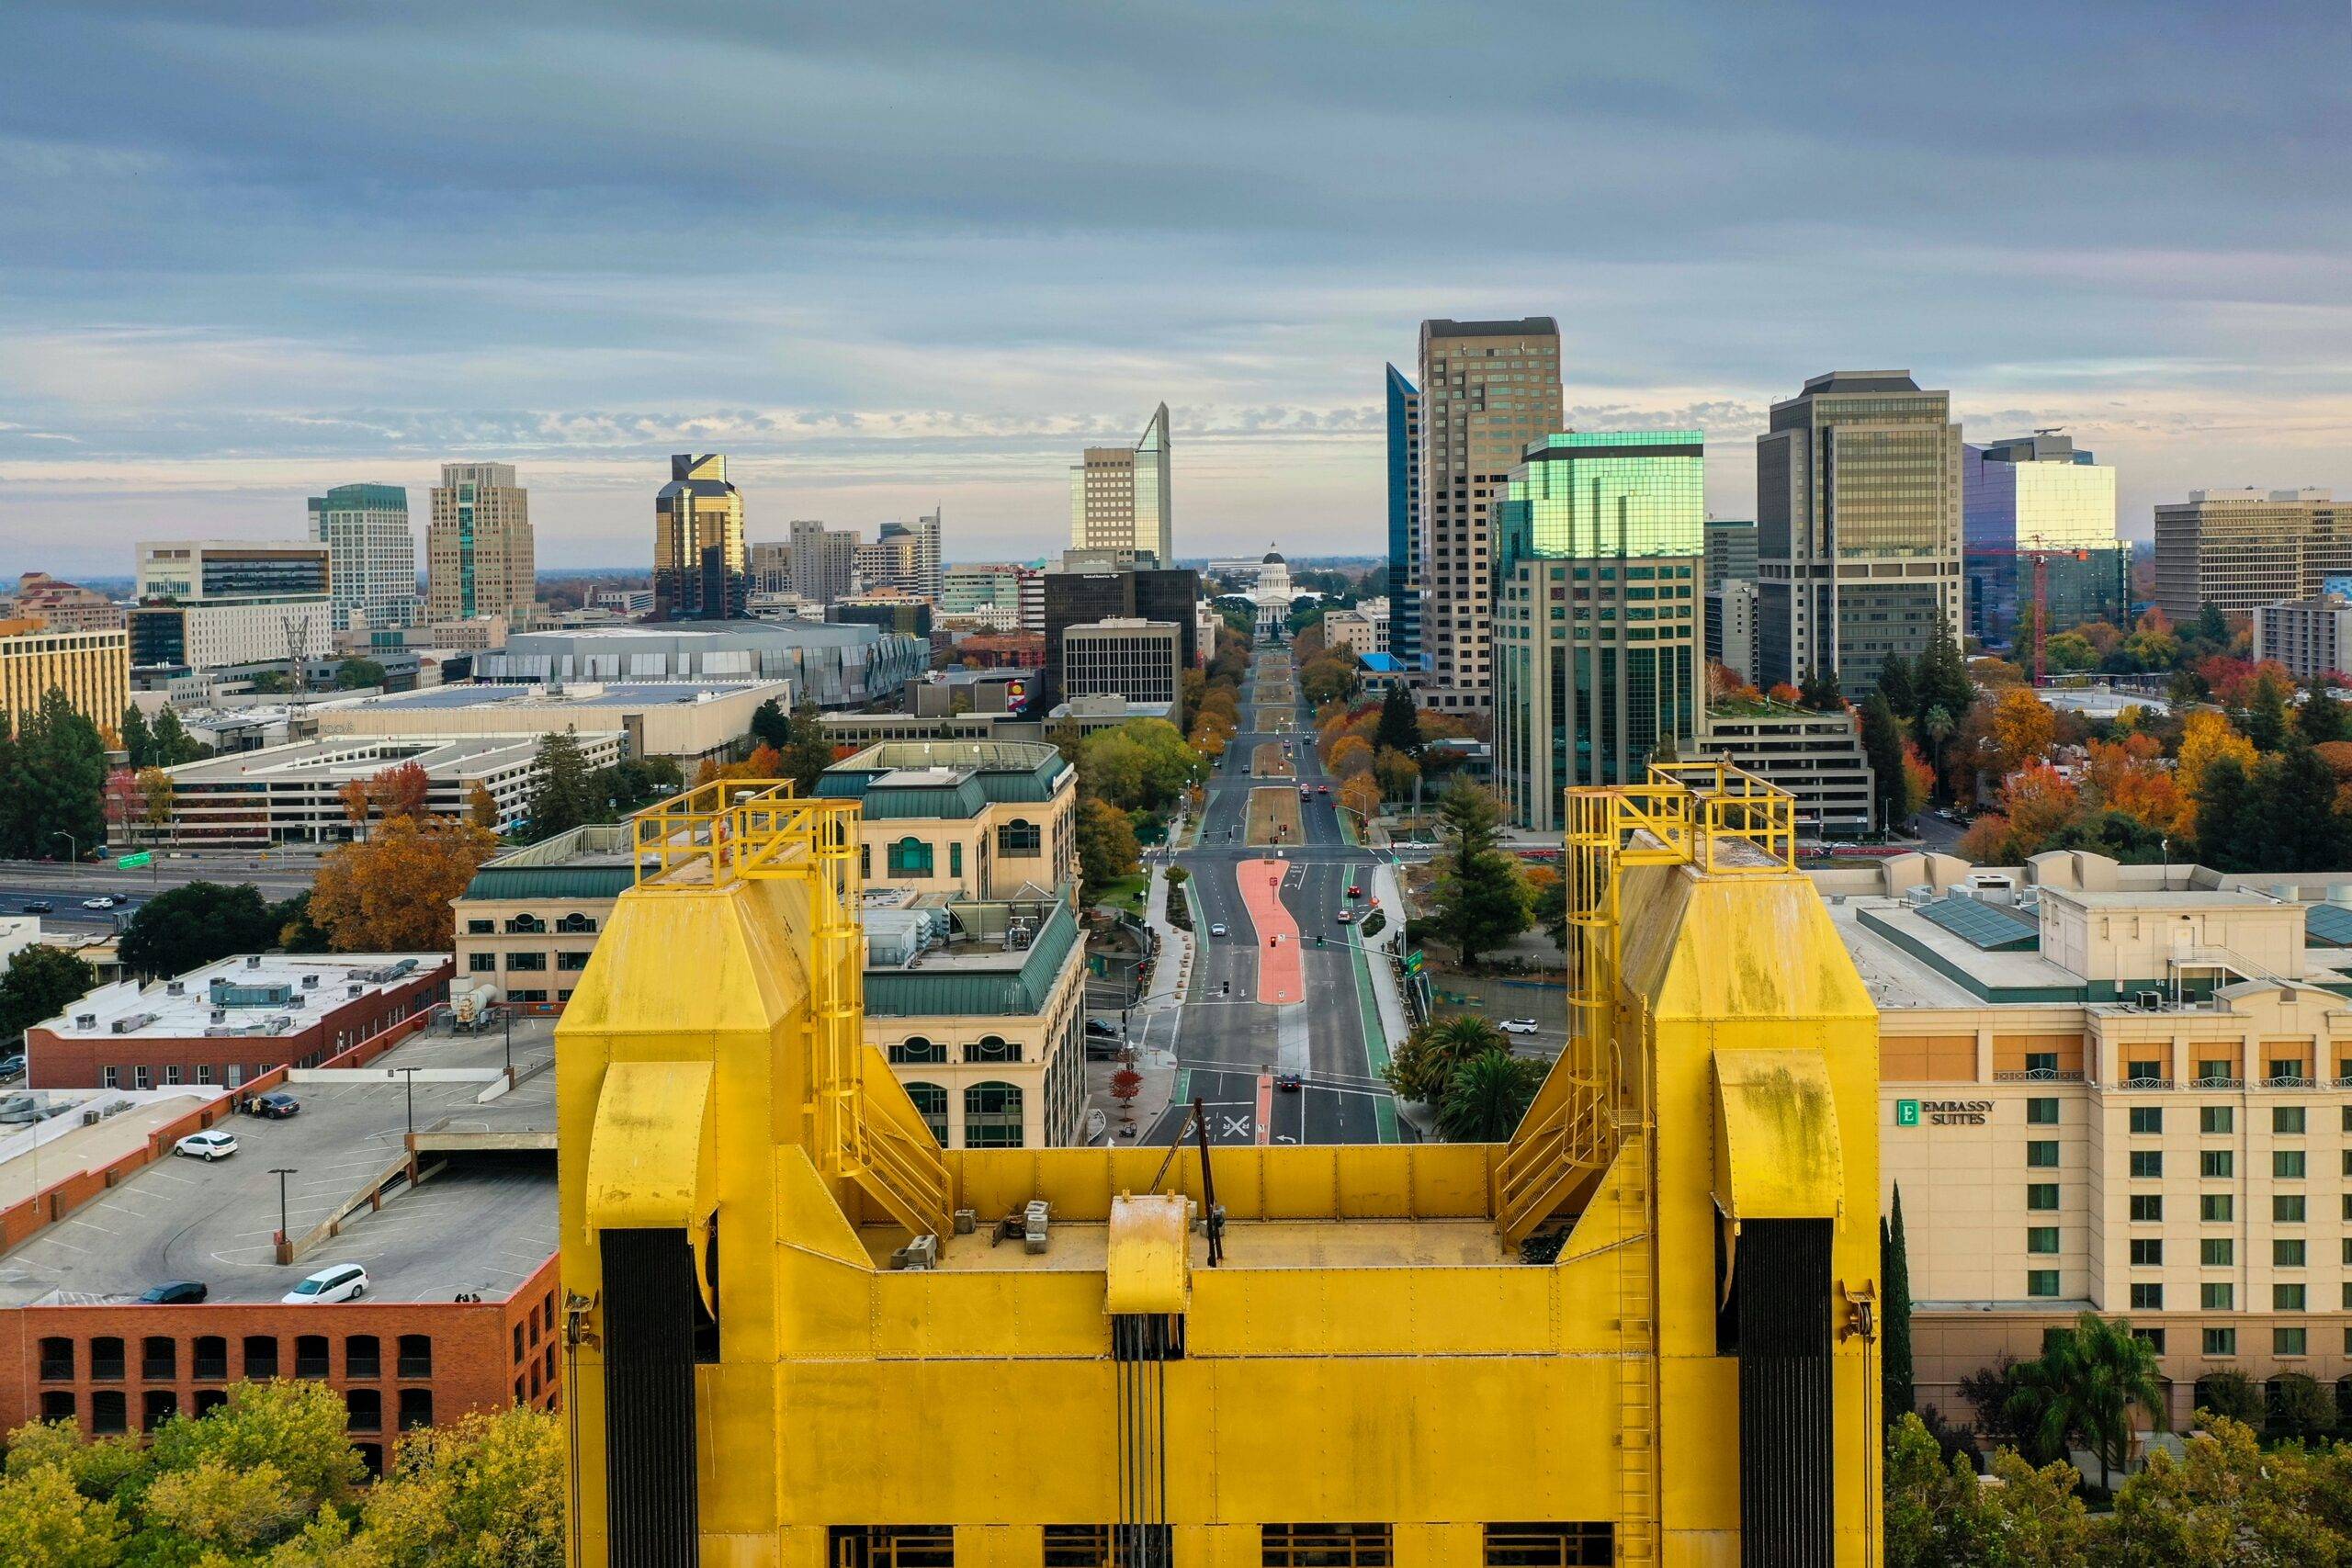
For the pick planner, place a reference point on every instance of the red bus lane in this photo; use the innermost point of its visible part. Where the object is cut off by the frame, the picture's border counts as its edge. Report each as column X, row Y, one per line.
column 1282, row 972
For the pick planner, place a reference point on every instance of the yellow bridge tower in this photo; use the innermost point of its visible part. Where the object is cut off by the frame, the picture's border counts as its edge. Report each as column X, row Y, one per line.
column 801, row 1333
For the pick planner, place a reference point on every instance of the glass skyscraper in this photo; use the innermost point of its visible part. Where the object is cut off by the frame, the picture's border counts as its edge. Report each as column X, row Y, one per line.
column 2040, row 494
column 1403, row 520
column 372, row 554
column 1601, row 539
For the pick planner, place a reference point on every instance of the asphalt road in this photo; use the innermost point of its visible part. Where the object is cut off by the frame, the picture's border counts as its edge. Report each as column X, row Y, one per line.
column 1226, row 1041
column 65, row 886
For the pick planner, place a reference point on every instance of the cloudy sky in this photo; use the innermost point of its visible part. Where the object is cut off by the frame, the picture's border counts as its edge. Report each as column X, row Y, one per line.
column 888, row 256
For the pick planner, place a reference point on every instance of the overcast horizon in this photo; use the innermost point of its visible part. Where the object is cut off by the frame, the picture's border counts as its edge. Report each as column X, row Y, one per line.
column 888, row 268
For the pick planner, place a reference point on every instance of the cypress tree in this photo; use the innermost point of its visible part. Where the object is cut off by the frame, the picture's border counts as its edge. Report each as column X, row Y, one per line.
column 1894, row 1334
column 1882, row 744
column 136, row 745
column 1400, row 726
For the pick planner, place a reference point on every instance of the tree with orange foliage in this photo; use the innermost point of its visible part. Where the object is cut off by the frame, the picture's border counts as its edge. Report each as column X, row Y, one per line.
column 2040, row 804
column 2022, row 730
column 1784, row 694
column 400, row 790
column 1352, row 756
column 1361, row 794
column 2205, row 739
column 392, row 893
column 357, row 803
column 2130, row 777
column 481, row 807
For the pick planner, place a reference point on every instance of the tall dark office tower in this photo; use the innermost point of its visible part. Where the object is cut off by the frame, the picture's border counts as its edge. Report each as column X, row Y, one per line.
column 700, row 568
column 1101, row 585
column 1857, row 508
column 1488, row 389
column 1403, row 520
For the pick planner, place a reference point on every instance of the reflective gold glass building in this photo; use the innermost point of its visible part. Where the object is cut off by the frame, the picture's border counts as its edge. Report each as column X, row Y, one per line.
column 700, row 569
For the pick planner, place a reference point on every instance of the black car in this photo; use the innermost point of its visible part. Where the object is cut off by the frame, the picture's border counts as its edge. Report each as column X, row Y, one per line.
column 277, row 1104
column 12, row 1065
column 40, row 906
column 179, row 1292
column 1101, row 1029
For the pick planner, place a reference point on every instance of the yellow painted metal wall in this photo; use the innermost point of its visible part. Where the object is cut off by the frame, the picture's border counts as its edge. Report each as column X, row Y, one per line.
column 1435, row 1397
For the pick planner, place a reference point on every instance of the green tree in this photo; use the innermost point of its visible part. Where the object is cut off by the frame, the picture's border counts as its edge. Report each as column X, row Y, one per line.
column 562, row 797
column 297, row 1425
column 1481, row 898
column 2300, row 1407
column 1107, row 850
column 1550, row 908
column 2085, row 1386
column 45, row 1523
column 186, row 927
column 2229, row 1500
column 138, row 746
column 1936, row 724
column 1941, row 679
column 1422, row 1067
column 1895, row 684
column 354, row 674
column 170, row 744
column 1485, row 1097
column 805, row 751
column 296, row 932
column 1894, row 1332
column 771, row 725
column 2297, row 827
column 39, row 983
column 52, row 784
column 485, row 1492
column 1819, row 692
column 1141, row 765
column 2320, row 719
column 1882, row 744
column 1400, row 726
column 1938, row 1515
column 2228, row 836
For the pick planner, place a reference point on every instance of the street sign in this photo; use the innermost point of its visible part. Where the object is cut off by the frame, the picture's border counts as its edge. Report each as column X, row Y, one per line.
column 135, row 862
column 1413, row 962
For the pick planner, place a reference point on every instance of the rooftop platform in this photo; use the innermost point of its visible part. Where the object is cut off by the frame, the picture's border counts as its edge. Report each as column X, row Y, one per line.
column 1083, row 1246
column 260, row 988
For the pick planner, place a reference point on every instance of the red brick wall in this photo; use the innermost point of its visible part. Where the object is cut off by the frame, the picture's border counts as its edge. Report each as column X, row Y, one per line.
column 79, row 1062
column 474, row 1361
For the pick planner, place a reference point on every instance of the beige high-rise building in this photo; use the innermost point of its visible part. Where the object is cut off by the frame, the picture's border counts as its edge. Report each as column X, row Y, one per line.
column 1119, row 497
column 1488, row 389
column 2240, row 548
column 92, row 668
column 481, row 559
column 701, row 569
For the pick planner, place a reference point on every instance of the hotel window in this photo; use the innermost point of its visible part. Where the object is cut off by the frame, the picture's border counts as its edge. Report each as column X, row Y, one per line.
column 2217, row 1165
column 2042, row 1195
column 2289, row 1341
column 2041, row 1111
column 2151, row 1071
column 2287, row 1119
column 2041, row 1282
column 2147, row 1252
column 2216, row 1119
column 2041, row 1153
column 2220, row 1341
column 2147, row 1164
column 2217, row 1252
column 1325, row 1546
column 2218, row 1295
column 2147, row 1298
column 2286, row 1066
column 2151, row 1337
column 2287, row 1252
column 2148, row 1207
column 2287, row 1298
column 481, row 962
column 2286, row 1165
column 2147, row 1118
column 2287, row 1208
column 2042, row 1061
column 2217, row 1208
column 2215, row 1071
column 2041, row 1239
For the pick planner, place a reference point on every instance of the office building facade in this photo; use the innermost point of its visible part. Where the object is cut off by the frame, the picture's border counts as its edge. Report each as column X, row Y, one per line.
column 2310, row 637
column 1731, row 550
column 1140, row 660
column 1120, row 497
column 1090, row 586
column 1598, row 662
column 2238, row 549
column 220, row 604
column 64, row 606
column 480, row 557
column 372, row 555
column 1404, row 518
column 700, row 568
column 1488, row 389
column 1815, row 757
column 824, row 561
column 1731, row 627
column 1857, row 516
column 2039, row 510
column 92, row 668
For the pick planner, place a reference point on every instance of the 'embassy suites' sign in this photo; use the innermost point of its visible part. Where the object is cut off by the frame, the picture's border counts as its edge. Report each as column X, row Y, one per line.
column 1942, row 1113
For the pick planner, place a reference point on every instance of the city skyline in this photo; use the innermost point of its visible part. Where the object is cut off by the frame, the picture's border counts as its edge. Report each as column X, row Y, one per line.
column 903, row 329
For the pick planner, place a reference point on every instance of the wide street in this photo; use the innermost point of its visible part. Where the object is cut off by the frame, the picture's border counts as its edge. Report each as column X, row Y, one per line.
column 279, row 873
column 1234, row 1040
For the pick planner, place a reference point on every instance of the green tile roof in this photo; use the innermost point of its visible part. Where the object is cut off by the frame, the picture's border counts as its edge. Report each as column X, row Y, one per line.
column 965, row 798
column 931, row 993
column 550, row 882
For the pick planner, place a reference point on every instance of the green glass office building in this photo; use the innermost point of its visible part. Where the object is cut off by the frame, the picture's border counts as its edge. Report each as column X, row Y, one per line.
column 1600, row 537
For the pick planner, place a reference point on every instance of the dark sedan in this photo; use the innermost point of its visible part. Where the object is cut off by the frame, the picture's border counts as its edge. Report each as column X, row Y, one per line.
column 179, row 1292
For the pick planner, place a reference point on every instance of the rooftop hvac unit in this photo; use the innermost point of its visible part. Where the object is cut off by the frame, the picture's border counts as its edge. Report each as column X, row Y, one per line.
column 253, row 961
column 92, row 1118
column 1919, row 897
column 355, row 989
column 310, row 982
column 85, row 1020
column 295, row 1000
column 220, row 1015
column 131, row 1024
column 176, row 989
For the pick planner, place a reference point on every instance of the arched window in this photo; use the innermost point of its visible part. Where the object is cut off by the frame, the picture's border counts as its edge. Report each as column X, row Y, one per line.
column 931, row 1103
column 911, row 857
column 992, row 1116
column 915, row 1048
column 1020, row 837
column 992, row 1048
column 520, row 924
column 576, row 924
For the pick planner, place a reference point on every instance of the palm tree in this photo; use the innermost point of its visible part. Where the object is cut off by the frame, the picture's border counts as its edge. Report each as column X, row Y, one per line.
column 1487, row 1096
column 1937, row 724
column 2084, row 1385
column 1434, row 1052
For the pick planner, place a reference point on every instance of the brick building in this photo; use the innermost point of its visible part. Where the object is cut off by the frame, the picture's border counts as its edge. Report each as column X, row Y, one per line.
column 231, row 1020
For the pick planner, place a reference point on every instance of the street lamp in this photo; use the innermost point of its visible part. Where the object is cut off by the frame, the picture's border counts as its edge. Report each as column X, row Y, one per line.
column 73, row 846
column 282, row 1172
column 410, row 1074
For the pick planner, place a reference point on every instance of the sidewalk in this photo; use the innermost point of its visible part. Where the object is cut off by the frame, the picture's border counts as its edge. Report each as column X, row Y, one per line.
column 1153, row 1022
column 1381, row 955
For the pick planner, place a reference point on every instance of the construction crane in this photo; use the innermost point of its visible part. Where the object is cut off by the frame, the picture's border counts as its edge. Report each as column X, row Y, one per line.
column 2040, row 552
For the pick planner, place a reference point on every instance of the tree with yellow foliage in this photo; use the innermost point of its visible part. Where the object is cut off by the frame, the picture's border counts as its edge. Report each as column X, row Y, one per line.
column 1361, row 794
column 392, row 893
column 2205, row 739
column 2022, row 730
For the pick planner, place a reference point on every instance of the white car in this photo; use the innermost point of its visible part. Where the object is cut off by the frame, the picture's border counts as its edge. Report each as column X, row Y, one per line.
column 206, row 1146
column 1517, row 1026
column 338, row 1282
column 103, row 901
column 1217, row 929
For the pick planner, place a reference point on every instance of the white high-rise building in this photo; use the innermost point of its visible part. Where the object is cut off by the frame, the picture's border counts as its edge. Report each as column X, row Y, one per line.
column 372, row 554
